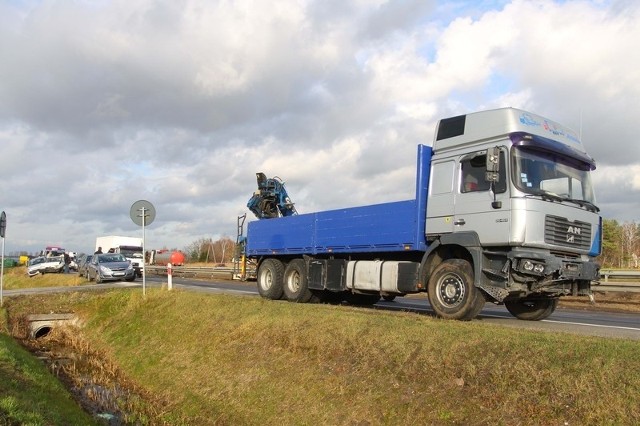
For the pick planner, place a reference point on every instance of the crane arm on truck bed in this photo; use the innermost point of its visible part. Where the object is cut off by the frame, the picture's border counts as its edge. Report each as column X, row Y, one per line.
column 271, row 199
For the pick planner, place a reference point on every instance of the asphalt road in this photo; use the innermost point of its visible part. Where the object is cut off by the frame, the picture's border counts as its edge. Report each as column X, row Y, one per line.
column 593, row 323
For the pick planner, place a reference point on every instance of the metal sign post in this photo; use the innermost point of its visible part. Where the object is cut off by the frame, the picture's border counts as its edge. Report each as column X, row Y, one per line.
column 3, row 228
column 143, row 213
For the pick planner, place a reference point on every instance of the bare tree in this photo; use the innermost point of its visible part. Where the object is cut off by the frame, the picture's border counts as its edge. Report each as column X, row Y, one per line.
column 206, row 250
column 198, row 250
column 223, row 250
column 629, row 243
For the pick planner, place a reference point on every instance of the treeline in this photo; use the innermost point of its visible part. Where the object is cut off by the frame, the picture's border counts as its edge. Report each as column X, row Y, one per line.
column 208, row 251
column 620, row 244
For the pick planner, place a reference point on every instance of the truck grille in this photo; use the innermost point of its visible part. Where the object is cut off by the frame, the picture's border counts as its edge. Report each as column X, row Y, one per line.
column 563, row 232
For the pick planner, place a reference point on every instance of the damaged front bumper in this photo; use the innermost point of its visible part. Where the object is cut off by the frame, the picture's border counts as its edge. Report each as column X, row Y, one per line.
column 538, row 272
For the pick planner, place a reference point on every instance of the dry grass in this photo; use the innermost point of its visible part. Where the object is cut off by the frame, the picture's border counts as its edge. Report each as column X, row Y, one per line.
column 29, row 394
column 233, row 360
column 17, row 278
column 605, row 301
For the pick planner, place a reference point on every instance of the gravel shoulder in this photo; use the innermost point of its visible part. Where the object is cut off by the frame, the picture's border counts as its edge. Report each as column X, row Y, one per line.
column 605, row 301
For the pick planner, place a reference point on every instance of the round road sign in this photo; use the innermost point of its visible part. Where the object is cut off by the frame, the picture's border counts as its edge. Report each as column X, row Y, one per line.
column 142, row 209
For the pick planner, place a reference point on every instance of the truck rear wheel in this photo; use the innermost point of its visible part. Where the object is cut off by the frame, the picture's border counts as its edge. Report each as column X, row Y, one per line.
column 533, row 309
column 296, row 287
column 452, row 294
column 270, row 279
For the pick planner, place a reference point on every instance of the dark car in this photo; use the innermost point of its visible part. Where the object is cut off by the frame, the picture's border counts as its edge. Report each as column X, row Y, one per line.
column 83, row 261
column 110, row 267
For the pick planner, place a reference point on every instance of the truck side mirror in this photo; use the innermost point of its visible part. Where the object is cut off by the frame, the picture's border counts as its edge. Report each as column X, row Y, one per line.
column 492, row 175
column 493, row 164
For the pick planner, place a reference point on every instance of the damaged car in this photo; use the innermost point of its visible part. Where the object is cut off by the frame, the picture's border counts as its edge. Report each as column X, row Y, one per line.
column 45, row 265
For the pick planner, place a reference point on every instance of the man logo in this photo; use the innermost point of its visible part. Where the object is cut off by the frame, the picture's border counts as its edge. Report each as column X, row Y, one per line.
column 572, row 231
column 575, row 230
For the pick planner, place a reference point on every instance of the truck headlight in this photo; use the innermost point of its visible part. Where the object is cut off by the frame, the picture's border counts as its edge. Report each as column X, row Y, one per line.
column 531, row 266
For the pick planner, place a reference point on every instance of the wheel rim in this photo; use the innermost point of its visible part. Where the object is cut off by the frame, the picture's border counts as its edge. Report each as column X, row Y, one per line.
column 266, row 280
column 293, row 281
column 451, row 290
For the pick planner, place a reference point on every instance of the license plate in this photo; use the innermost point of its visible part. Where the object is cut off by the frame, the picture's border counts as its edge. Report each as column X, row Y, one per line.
column 118, row 274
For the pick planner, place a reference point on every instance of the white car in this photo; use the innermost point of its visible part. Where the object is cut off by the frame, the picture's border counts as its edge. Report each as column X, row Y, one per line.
column 43, row 265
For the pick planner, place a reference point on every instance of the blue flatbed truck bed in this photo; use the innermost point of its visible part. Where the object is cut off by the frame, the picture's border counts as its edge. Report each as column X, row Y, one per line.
column 386, row 227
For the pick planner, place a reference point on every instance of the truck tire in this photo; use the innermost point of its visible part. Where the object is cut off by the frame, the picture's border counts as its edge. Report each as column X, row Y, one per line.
column 296, row 287
column 533, row 309
column 270, row 279
column 452, row 294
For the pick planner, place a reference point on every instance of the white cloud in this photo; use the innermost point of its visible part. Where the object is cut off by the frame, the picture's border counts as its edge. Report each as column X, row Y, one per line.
column 180, row 103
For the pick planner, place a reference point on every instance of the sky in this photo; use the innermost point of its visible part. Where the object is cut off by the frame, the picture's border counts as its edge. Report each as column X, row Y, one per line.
column 180, row 103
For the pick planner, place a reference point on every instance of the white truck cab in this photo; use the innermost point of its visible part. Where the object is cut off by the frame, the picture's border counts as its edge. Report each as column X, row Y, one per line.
column 515, row 190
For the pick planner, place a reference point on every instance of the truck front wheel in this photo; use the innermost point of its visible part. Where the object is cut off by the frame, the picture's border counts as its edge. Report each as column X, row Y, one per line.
column 296, row 288
column 452, row 294
column 270, row 279
column 531, row 310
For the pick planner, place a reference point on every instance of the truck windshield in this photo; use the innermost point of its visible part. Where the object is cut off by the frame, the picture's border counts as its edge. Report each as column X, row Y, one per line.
column 547, row 174
column 131, row 251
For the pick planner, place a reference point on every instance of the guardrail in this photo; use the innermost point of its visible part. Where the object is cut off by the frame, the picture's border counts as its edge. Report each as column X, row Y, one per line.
column 622, row 280
column 620, row 286
column 191, row 271
column 619, row 274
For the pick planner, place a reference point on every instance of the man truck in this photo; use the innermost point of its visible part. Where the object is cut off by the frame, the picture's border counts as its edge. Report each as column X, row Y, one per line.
column 504, row 211
column 129, row 247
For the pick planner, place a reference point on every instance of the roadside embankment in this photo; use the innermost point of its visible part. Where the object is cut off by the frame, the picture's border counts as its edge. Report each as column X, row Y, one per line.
column 217, row 359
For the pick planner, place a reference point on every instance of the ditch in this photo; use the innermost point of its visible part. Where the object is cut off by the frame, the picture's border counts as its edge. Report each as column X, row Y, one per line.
column 96, row 383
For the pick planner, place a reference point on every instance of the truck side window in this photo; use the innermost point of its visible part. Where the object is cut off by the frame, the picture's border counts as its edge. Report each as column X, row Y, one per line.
column 442, row 175
column 473, row 174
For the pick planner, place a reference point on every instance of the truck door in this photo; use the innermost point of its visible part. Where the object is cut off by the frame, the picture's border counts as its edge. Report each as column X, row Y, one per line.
column 475, row 210
column 441, row 197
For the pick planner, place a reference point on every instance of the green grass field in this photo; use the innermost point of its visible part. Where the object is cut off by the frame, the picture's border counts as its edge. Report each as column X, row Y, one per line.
column 202, row 359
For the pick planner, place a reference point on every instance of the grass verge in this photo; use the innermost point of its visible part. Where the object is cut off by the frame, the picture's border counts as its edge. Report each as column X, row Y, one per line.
column 234, row 360
column 17, row 278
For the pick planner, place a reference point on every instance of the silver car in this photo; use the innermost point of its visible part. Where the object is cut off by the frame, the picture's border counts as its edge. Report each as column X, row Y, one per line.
column 110, row 267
